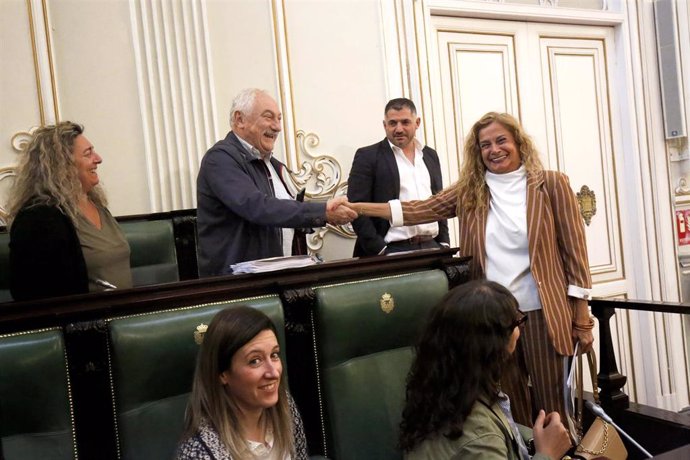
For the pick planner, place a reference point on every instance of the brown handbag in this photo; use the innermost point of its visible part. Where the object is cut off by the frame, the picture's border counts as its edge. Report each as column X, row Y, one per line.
column 601, row 440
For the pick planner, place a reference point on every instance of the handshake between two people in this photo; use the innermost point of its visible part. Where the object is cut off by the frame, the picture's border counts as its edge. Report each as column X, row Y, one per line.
column 339, row 212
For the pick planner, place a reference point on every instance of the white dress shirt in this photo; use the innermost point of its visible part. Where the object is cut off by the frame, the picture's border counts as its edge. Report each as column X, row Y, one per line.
column 415, row 184
column 279, row 190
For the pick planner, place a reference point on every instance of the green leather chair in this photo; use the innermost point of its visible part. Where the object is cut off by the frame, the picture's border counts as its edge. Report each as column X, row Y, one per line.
column 152, row 360
column 152, row 245
column 36, row 417
column 5, row 295
column 364, row 333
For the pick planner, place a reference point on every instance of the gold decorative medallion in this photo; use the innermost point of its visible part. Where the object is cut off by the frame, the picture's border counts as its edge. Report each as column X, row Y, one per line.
column 199, row 333
column 387, row 303
column 588, row 203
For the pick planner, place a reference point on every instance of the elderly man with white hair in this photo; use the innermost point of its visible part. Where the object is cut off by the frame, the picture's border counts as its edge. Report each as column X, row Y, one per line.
column 244, row 209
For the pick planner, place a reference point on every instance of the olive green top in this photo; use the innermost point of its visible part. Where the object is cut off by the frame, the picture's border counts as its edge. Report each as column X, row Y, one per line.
column 486, row 435
column 106, row 252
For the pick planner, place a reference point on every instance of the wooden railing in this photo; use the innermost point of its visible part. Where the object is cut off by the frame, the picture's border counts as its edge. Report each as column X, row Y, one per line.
column 656, row 429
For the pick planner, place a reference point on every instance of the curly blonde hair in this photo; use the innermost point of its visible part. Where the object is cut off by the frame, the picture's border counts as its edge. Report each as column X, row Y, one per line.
column 47, row 174
column 472, row 188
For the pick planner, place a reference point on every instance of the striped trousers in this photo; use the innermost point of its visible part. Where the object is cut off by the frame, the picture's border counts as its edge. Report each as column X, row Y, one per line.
column 535, row 362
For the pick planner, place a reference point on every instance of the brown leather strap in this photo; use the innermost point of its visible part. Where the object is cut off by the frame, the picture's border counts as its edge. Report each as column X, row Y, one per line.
column 592, row 361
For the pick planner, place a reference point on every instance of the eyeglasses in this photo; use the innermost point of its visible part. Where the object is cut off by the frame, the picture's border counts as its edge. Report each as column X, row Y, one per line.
column 519, row 321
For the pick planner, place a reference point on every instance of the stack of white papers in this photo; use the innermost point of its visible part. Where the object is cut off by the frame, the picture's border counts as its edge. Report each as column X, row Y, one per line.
column 272, row 264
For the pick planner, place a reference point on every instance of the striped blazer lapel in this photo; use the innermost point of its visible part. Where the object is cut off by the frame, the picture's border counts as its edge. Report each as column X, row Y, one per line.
column 535, row 210
column 480, row 219
column 472, row 236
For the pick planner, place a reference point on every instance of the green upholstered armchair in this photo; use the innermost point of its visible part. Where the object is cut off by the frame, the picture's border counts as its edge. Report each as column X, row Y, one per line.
column 36, row 417
column 364, row 332
column 152, row 245
column 5, row 295
column 152, row 359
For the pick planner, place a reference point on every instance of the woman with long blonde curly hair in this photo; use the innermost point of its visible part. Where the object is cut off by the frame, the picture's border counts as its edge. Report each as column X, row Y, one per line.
column 522, row 226
column 472, row 184
column 63, row 239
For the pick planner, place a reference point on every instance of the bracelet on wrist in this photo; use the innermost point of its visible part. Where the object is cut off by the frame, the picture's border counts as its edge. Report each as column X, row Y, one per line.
column 584, row 327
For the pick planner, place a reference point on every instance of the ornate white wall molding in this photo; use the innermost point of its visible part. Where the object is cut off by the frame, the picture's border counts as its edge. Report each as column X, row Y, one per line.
column 320, row 177
column 610, row 13
column 176, row 96
column 46, row 86
column 394, row 52
column 285, row 98
column 6, row 179
column 21, row 139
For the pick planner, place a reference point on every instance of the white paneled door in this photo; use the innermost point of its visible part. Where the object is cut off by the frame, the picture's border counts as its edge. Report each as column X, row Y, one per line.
column 555, row 79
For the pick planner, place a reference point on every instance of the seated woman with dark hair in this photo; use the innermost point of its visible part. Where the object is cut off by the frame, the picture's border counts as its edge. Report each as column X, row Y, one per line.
column 455, row 408
column 239, row 407
column 63, row 239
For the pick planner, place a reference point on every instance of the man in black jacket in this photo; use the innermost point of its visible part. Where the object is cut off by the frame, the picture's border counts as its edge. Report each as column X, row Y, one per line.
column 397, row 168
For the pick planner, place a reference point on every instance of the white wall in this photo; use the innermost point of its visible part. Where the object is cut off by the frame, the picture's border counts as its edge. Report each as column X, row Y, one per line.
column 96, row 86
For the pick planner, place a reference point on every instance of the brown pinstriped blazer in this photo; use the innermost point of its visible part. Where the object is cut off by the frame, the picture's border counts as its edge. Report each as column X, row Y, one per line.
column 557, row 246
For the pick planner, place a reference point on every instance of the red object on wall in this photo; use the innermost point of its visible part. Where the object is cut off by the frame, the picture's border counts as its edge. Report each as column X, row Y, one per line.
column 683, row 226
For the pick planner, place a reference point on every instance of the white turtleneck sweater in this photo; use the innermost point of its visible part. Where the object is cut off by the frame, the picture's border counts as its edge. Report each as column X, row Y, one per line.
column 507, row 246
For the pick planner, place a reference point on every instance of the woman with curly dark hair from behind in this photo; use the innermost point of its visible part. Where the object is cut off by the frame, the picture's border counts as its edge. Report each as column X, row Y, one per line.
column 455, row 408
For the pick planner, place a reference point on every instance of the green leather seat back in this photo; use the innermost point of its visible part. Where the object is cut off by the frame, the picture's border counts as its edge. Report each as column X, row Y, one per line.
column 364, row 399
column 152, row 360
column 364, row 355
column 153, row 257
column 5, row 295
column 35, row 402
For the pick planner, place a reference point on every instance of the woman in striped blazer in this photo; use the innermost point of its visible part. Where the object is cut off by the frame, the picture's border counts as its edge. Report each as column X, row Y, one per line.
column 522, row 226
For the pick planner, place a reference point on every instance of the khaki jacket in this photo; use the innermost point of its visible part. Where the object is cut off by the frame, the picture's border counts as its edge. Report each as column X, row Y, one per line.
column 486, row 436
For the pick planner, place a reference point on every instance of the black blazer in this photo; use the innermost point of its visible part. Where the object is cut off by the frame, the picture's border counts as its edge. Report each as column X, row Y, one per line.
column 46, row 259
column 374, row 178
